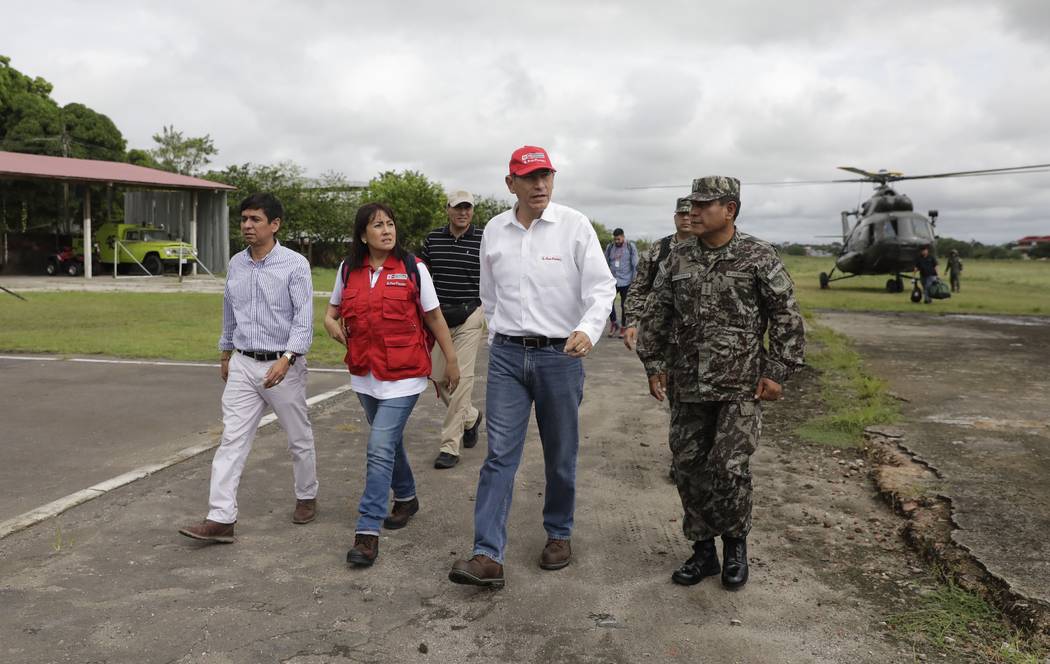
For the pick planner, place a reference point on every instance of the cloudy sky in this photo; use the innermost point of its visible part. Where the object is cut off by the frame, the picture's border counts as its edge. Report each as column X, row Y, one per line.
column 623, row 94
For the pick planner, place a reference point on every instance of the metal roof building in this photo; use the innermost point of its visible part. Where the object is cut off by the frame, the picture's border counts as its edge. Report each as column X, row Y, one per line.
column 210, row 238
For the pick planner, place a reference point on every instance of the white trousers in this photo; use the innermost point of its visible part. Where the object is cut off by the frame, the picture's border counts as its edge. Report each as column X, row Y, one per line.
column 243, row 403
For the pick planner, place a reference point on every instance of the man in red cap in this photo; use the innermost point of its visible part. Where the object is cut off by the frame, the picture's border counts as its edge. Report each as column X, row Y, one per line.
column 546, row 290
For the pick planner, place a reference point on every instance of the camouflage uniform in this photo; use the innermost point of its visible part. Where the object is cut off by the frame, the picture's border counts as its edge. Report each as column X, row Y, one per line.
column 954, row 270
column 704, row 328
column 648, row 264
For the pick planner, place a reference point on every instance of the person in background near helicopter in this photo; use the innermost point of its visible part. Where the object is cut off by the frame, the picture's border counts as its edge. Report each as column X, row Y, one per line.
column 954, row 269
column 926, row 266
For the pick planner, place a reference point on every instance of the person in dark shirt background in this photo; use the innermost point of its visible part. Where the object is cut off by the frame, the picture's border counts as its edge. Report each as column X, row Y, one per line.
column 926, row 266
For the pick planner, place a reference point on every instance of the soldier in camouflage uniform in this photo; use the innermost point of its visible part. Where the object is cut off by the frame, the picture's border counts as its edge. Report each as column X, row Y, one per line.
column 638, row 293
column 715, row 299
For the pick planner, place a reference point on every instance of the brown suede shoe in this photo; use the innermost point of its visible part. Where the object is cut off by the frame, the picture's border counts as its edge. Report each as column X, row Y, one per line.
column 365, row 551
column 210, row 531
column 478, row 571
column 401, row 513
column 305, row 510
column 556, row 554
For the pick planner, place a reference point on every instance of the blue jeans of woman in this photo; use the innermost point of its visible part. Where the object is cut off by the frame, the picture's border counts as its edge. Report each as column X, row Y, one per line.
column 519, row 377
column 387, row 466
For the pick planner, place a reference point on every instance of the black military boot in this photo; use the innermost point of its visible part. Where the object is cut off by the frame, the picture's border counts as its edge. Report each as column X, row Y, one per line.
column 734, row 562
column 703, row 562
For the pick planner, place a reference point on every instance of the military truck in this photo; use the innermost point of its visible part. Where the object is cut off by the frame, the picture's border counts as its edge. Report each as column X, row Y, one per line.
column 151, row 247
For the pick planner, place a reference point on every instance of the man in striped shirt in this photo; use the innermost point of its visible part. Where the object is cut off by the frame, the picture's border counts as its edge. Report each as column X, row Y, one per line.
column 451, row 254
column 267, row 325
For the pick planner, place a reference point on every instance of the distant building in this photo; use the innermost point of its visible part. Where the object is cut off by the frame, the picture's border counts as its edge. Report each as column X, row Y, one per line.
column 1029, row 242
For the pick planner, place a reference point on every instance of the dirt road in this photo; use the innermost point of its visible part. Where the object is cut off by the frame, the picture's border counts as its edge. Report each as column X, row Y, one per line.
column 111, row 581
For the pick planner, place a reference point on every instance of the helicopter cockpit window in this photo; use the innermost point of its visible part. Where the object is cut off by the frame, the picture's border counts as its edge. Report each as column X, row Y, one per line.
column 889, row 228
column 922, row 229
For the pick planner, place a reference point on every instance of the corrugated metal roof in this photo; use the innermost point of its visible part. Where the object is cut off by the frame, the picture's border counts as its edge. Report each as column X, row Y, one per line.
column 15, row 165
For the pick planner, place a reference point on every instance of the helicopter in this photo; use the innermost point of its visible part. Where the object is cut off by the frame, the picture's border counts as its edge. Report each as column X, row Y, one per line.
column 888, row 233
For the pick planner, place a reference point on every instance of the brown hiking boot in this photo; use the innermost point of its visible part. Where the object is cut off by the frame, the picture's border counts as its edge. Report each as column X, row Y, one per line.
column 556, row 554
column 210, row 531
column 478, row 571
column 365, row 551
column 305, row 510
column 401, row 513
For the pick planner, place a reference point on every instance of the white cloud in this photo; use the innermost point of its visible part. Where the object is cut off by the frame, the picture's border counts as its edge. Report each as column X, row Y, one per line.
column 621, row 93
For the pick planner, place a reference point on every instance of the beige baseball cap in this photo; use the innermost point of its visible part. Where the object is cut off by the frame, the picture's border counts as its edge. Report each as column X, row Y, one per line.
column 458, row 197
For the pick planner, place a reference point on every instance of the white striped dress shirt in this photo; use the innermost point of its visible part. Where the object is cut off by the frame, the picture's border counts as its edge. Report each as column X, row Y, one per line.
column 269, row 304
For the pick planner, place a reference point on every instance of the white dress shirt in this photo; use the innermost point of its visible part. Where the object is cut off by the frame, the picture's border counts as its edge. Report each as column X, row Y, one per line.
column 549, row 279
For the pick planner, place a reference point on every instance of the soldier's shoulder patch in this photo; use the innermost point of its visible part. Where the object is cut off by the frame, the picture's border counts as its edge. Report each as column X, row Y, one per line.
column 778, row 279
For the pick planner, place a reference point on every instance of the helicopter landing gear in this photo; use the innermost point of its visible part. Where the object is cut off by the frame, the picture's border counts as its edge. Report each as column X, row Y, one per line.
column 895, row 285
column 825, row 280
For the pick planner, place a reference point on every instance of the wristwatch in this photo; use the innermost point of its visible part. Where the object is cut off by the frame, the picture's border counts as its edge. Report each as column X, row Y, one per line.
column 290, row 356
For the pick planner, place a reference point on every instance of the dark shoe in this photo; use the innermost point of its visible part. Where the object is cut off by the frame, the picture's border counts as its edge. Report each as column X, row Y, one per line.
column 401, row 513
column 556, row 554
column 703, row 563
column 478, row 571
column 366, row 548
column 734, row 562
column 470, row 436
column 210, row 531
column 446, row 460
column 305, row 510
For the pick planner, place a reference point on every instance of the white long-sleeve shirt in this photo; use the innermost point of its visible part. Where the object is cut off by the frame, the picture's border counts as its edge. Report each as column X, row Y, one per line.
column 549, row 279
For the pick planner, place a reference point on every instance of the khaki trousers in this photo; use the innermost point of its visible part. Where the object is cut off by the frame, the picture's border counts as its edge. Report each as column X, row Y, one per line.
column 244, row 401
column 461, row 413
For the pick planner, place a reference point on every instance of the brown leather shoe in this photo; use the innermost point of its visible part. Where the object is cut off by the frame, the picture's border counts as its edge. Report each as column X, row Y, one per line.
column 305, row 510
column 365, row 551
column 478, row 571
column 401, row 513
column 556, row 554
column 210, row 531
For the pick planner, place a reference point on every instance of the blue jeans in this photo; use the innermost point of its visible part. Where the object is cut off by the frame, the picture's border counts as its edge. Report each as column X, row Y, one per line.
column 926, row 283
column 387, row 466
column 518, row 377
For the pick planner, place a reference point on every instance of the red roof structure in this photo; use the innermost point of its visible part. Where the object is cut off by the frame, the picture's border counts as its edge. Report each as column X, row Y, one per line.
column 18, row 166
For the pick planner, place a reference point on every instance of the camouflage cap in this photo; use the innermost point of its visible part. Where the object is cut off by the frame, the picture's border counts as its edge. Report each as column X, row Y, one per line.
column 713, row 187
column 683, row 205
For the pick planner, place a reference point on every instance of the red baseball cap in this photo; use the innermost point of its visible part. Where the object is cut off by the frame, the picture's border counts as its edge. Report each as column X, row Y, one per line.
column 529, row 158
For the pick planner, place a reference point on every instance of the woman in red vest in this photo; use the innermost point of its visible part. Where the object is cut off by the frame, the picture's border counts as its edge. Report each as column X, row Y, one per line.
column 384, row 309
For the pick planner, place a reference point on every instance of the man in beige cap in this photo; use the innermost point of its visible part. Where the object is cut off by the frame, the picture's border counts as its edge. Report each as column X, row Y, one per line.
column 451, row 254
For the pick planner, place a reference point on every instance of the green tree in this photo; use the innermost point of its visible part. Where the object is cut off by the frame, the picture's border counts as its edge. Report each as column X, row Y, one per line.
column 141, row 158
column 487, row 207
column 418, row 203
column 180, row 154
column 87, row 134
column 604, row 234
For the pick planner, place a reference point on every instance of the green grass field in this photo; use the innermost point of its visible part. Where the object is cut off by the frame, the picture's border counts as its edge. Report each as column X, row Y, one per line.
column 186, row 326
column 988, row 287
column 182, row 327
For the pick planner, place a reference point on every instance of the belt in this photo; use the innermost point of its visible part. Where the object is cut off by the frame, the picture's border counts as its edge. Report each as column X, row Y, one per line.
column 531, row 342
column 261, row 356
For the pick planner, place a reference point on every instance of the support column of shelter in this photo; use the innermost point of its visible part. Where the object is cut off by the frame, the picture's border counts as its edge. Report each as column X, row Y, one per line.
column 193, row 233
column 87, row 232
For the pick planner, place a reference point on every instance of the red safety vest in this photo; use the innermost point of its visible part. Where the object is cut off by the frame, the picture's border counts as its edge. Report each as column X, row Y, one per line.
column 384, row 328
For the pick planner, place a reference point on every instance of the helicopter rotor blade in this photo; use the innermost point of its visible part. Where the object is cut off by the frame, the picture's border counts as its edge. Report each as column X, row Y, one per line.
column 868, row 176
column 1015, row 170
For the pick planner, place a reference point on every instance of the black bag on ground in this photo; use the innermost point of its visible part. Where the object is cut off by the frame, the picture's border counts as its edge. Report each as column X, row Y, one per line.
column 456, row 314
column 940, row 290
